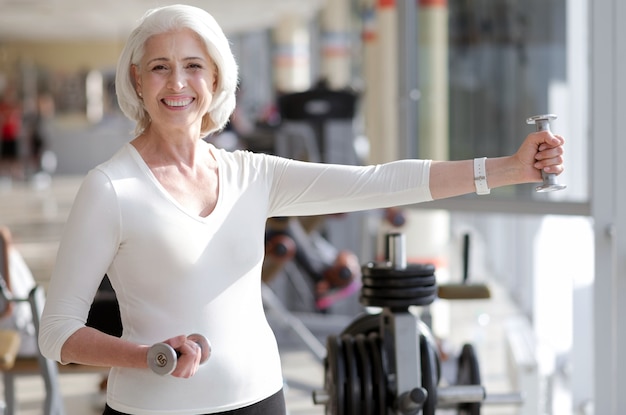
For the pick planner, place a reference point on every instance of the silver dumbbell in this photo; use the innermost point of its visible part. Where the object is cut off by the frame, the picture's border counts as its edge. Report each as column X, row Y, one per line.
column 162, row 357
column 549, row 179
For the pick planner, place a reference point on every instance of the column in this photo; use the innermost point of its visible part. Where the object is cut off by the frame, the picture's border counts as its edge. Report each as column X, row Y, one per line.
column 336, row 44
column 384, row 144
column 292, row 71
column 433, row 79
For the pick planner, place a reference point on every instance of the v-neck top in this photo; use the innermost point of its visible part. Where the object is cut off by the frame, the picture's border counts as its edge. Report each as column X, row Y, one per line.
column 175, row 272
column 148, row 172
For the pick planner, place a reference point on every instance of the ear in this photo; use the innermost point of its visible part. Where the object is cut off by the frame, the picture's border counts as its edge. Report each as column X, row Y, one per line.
column 216, row 78
column 134, row 72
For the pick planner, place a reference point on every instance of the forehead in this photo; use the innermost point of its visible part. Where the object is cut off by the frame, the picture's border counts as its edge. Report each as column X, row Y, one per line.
column 179, row 43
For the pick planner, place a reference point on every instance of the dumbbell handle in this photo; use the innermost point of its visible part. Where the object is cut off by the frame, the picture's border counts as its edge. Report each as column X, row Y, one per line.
column 162, row 358
column 549, row 179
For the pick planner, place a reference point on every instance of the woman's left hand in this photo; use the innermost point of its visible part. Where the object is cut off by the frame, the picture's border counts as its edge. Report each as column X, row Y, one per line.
column 541, row 150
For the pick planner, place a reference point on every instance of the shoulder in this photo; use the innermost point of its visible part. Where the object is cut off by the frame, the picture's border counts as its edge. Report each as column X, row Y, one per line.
column 123, row 165
column 246, row 160
column 120, row 166
column 122, row 157
column 243, row 156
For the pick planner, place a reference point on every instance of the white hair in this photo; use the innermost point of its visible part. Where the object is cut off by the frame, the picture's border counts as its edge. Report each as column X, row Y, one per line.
column 168, row 19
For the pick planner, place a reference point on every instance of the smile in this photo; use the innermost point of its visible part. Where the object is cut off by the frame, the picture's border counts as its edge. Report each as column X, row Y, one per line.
column 177, row 102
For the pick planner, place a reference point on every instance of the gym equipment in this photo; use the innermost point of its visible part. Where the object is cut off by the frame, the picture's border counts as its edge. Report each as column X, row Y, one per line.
column 47, row 368
column 37, row 364
column 335, row 273
column 549, row 179
column 388, row 362
column 280, row 247
column 294, row 246
column 162, row 357
column 395, row 216
column 317, row 125
column 465, row 290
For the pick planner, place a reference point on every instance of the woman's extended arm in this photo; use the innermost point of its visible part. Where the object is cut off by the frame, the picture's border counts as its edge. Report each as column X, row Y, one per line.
column 540, row 150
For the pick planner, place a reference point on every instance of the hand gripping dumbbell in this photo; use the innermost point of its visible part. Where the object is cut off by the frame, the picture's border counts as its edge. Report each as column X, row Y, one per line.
column 162, row 357
column 549, row 179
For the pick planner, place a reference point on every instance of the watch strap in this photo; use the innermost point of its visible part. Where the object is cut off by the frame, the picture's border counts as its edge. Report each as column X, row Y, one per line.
column 480, row 176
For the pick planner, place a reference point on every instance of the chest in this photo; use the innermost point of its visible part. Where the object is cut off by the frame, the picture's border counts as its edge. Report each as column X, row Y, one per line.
column 196, row 192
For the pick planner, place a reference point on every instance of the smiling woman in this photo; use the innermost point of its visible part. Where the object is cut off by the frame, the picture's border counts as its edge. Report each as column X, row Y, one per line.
column 178, row 226
column 176, row 80
column 207, row 47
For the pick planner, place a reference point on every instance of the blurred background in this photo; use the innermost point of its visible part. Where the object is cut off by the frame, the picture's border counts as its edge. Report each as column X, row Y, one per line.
column 369, row 81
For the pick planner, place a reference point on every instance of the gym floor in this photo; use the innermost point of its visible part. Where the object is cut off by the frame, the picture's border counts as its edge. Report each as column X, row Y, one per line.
column 35, row 213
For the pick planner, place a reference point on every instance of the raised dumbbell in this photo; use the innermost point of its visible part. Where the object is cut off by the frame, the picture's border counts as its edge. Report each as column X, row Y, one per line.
column 549, row 179
column 162, row 357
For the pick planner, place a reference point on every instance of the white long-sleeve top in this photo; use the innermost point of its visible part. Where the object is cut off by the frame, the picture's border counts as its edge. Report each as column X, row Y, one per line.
column 177, row 273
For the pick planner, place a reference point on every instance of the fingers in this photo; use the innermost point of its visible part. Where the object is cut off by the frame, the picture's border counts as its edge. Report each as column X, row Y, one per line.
column 556, row 167
column 177, row 341
column 551, row 141
column 549, row 155
column 541, row 150
column 189, row 356
column 188, row 361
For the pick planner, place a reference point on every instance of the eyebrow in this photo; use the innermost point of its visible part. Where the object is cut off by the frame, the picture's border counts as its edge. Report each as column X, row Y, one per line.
column 190, row 58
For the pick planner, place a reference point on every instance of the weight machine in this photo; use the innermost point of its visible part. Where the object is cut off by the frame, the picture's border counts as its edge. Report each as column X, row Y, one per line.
column 388, row 362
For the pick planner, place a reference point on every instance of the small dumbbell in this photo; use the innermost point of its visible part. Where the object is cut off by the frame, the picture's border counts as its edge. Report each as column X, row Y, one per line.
column 162, row 357
column 549, row 179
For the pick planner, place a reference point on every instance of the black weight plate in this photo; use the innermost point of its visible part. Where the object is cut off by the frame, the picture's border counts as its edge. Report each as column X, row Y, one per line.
column 379, row 375
column 411, row 270
column 428, row 360
column 396, row 303
column 353, row 382
column 335, row 379
column 398, row 293
column 363, row 324
column 365, row 373
column 468, row 374
column 398, row 282
column 387, row 358
column 430, row 338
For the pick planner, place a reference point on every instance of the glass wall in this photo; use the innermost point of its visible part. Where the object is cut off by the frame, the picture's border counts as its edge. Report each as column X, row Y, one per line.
column 509, row 60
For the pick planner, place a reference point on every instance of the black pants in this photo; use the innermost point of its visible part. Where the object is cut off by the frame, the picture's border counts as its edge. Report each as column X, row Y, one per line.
column 274, row 405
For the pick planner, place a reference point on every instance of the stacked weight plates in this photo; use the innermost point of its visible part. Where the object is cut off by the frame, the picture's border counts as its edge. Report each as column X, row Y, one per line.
column 384, row 286
column 359, row 369
column 355, row 375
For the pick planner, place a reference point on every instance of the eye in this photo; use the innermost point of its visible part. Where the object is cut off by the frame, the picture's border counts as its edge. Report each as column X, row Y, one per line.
column 194, row 65
column 159, row 68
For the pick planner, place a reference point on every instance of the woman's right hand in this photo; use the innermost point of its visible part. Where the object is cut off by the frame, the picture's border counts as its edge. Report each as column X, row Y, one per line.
column 189, row 357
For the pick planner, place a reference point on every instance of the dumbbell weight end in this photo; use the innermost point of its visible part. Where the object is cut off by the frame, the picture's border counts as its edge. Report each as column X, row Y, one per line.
column 162, row 357
column 205, row 346
column 549, row 183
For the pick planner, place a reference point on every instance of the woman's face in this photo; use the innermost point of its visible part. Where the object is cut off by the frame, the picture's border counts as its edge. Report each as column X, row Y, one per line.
column 176, row 79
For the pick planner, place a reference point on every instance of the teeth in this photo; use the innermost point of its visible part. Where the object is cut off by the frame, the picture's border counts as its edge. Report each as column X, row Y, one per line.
column 177, row 103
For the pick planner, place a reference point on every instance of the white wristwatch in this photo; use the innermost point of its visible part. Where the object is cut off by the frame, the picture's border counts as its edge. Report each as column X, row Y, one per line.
column 480, row 176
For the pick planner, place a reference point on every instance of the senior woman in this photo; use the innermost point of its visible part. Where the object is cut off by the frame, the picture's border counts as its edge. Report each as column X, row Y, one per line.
column 178, row 226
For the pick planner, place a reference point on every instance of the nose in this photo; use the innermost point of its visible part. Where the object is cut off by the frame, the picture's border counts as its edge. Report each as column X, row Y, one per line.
column 176, row 80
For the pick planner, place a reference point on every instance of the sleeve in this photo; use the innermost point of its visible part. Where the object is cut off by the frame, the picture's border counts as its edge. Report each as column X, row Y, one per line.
column 89, row 242
column 303, row 188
